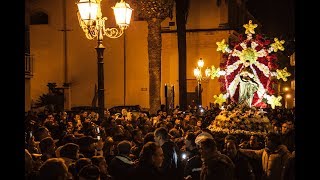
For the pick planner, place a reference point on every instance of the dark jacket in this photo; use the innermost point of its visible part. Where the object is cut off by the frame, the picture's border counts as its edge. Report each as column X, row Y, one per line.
column 288, row 172
column 171, row 167
column 193, row 167
column 121, row 167
column 243, row 168
column 147, row 172
column 218, row 167
column 289, row 140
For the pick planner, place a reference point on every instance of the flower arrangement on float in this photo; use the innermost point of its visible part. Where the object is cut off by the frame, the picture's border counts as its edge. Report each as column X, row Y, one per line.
column 240, row 120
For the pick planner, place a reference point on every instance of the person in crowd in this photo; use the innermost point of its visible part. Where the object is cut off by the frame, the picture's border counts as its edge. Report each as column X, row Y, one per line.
column 171, row 165
column 109, row 149
column 41, row 133
column 137, row 143
column 29, row 169
column 68, row 138
column 276, row 127
column 53, row 126
column 90, row 146
column 243, row 168
column 192, row 158
column 149, row 137
column 47, row 148
column 89, row 172
column 69, row 153
column 75, row 167
column 53, row 169
column 273, row 156
column 100, row 161
column 150, row 162
column 288, row 136
column 289, row 168
column 121, row 166
column 229, row 137
column 254, row 144
column 83, row 115
column 214, row 164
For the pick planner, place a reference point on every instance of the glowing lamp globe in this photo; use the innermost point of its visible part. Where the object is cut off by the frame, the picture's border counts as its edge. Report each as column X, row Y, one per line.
column 196, row 72
column 200, row 63
column 88, row 11
column 122, row 12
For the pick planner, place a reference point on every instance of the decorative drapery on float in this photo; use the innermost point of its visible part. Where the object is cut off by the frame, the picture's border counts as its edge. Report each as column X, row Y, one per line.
column 247, row 76
column 259, row 52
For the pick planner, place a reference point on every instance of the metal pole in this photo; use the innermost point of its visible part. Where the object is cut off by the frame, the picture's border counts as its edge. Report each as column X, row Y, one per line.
column 199, row 93
column 100, row 49
column 124, row 68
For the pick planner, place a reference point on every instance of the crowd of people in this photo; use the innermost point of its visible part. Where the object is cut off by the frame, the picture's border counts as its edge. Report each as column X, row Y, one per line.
column 173, row 145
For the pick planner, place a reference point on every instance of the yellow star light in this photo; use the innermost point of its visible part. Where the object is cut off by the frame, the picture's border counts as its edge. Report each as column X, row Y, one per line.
column 283, row 74
column 214, row 72
column 222, row 46
column 248, row 54
column 277, row 45
column 274, row 101
column 219, row 99
column 250, row 27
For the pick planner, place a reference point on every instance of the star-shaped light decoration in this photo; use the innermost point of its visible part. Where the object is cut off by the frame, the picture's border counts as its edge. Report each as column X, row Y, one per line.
column 248, row 54
column 274, row 101
column 222, row 46
column 219, row 99
column 250, row 27
column 214, row 72
column 277, row 45
column 283, row 74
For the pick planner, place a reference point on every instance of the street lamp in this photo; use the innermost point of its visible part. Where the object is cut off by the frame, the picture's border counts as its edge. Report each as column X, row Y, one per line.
column 93, row 24
column 197, row 72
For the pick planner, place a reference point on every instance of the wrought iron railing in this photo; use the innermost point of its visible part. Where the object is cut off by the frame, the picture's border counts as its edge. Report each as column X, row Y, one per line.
column 28, row 65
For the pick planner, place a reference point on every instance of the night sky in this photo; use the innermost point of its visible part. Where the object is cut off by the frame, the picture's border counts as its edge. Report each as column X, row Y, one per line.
column 276, row 16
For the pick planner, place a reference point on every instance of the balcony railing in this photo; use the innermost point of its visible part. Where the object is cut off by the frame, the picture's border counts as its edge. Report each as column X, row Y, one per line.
column 28, row 65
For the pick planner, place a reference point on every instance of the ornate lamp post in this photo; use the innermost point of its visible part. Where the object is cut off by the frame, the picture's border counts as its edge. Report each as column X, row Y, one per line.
column 197, row 72
column 93, row 24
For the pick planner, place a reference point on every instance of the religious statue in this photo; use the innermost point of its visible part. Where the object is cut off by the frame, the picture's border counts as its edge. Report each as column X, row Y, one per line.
column 248, row 85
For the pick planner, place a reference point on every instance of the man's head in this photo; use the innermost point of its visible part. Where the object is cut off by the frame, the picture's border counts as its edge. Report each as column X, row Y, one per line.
column 229, row 137
column 124, row 147
column 89, row 171
column 272, row 141
column 207, row 147
column 161, row 135
column 70, row 150
column 285, row 128
column 41, row 133
column 231, row 149
column 47, row 145
column 190, row 140
column 253, row 140
column 53, row 168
